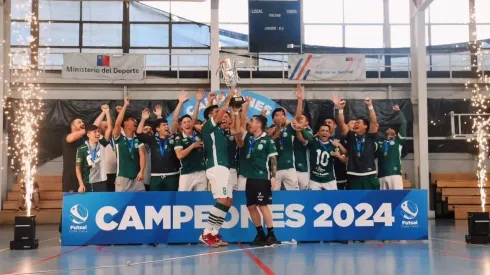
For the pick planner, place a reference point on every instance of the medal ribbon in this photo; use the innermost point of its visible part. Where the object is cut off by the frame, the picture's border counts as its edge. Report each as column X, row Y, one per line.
column 162, row 146
column 131, row 144
column 359, row 143
column 323, row 145
column 252, row 142
column 387, row 146
column 93, row 154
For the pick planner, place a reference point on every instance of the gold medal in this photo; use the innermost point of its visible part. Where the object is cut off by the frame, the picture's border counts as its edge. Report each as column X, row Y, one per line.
column 248, row 156
column 358, row 154
column 282, row 147
column 386, row 153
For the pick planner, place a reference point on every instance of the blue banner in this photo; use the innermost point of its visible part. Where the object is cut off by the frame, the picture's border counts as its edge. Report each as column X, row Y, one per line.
column 180, row 217
column 257, row 104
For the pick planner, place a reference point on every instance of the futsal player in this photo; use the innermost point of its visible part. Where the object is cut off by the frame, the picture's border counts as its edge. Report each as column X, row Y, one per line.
column 110, row 158
column 226, row 125
column 389, row 155
column 164, row 163
column 131, row 157
column 217, row 170
column 189, row 150
column 340, row 167
column 362, row 147
column 260, row 149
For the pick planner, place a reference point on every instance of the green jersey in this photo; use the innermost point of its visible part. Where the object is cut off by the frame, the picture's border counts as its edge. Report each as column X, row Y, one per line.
column 194, row 162
column 285, row 148
column 243, row 162
column 232, row 150
column 91, row 159
column 301, row 152
column 215, row 144
column 128, row 156
column 389, row 156
column 321, row 160
column 258, row 152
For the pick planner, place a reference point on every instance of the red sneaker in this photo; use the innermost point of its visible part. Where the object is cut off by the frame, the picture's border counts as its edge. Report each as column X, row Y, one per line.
column 208, row 240
column 220, row 241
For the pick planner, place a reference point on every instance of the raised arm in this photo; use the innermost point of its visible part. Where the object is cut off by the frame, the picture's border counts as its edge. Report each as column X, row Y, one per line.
column 211, row 97
column 224, row 107
column 402, row 132
column 108, row 132
column 175, row 118
column 72, row 137
column 337, row 143
column 340, row 104
column 117, row 125
column 158, row 111
column 373, row 122
column 100, row 118
column 300, row 94
column 199, row 97
column 145, row 115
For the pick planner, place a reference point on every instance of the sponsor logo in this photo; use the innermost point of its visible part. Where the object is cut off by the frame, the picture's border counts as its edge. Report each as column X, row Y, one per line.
column 260, row 147
column 78, row 217
column 409, row 211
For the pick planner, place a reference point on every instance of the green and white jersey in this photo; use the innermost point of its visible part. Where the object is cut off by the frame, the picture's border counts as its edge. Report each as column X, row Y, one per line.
column 215, row 144
column 243, row 162
column 301, row 152
column 285, row 148
column 128, row 156
column 232, row 150
column 91, row 159
column 259, row 150
column 389, row 156
column 194, row 162
column 321, row 160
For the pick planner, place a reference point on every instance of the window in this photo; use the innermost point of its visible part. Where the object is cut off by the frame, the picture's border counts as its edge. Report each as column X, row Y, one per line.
column 482, row 10
column 457, row 11
column 190, row 35
column 399, row 11
column 102, row 10
column 149, row 35
column 483, row 32
column 20, row 33
column 194, row 60
column 20, row 57
column 53, row 58
column 233, row 35
column 323, row 11
column 191, row 11
column 102, row 35
column 233, row 11
column 142, row 13
column 323, row 35
column 58, row 34
column 102, row 50
column 362, row 11
column 400, row 36
column 59, row 10
column 20, row 8
column 449, row 34
column 364, row 36
column 155, row 59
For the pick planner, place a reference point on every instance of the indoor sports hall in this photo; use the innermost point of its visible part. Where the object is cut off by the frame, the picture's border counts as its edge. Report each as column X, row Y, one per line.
column 244, row 137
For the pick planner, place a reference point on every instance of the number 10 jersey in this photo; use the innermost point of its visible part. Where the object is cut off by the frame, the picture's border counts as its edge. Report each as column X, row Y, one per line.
column 321, row 161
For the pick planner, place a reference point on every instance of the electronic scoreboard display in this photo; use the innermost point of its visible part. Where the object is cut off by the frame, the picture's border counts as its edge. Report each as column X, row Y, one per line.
column 274, row 26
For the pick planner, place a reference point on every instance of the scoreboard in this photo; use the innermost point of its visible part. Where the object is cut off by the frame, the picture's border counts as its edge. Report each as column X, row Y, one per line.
column 274, row 26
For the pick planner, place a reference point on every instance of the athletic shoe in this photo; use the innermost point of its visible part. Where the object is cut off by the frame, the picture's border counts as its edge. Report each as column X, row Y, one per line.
column 271, row 240
column 208, row 240
column 220, row 241
column 259, row 241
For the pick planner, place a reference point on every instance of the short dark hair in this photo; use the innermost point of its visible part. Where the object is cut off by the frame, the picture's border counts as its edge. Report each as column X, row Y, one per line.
column 262, row 119
column 185, row 116
column 324, row 125
column 199, row 122
column 72, row 120
column 158, row 123
column 277, row 110
column 365, row 121
column 91, row 128
column 308, row 117
column 126, row 118
column 209, row 110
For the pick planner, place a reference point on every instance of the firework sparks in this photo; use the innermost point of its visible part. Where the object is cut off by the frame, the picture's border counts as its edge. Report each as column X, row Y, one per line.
column 24, row 113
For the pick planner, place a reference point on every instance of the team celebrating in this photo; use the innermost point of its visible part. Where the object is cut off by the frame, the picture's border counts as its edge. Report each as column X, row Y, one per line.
column 229, row 151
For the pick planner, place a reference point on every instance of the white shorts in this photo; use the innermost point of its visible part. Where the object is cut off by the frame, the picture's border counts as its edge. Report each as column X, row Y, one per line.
column 394, row 182
column 303, row 180
column 233, row 179
column 219, row 179
column 242, row 183
column 128, row 185
column 288, row 178
column 331, row 185
column 196, row 181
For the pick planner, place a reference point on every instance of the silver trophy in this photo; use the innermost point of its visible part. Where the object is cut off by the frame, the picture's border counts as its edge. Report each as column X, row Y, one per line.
column 230, row 76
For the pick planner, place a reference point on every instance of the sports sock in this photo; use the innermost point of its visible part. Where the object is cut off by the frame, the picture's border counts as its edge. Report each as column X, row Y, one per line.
column 270, row 231
column 216, row 218
column 260, row 231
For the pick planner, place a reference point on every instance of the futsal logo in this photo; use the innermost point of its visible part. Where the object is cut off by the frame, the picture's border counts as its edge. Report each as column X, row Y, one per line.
column 78, row 216
column 409, row 211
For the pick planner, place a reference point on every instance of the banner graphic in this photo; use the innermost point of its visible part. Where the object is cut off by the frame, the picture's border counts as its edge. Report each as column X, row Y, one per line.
column 327, row 67
column 99, row 66
column 180, row 217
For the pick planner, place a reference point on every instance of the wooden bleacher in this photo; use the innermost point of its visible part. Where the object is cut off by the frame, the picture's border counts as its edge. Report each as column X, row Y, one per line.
column 50, row 201
column 458, row 193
